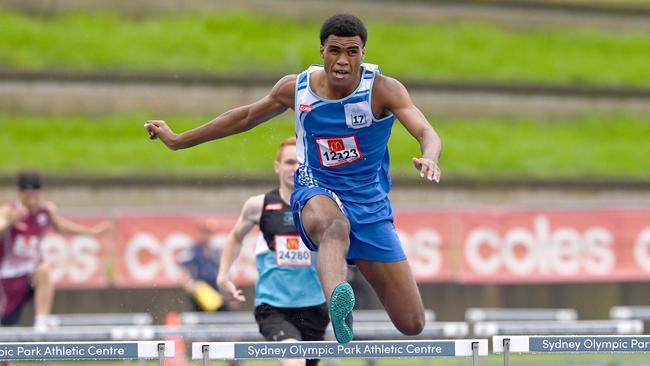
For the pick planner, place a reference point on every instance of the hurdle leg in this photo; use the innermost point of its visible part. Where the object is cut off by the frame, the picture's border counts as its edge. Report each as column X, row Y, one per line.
column 506, row 352
column 332, row 362
column 475, row 354
column 372, row 362
column 205, row 351
column 161, row 354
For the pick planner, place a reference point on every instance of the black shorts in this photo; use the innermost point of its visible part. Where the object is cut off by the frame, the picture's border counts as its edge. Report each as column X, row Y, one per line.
column 302, row 324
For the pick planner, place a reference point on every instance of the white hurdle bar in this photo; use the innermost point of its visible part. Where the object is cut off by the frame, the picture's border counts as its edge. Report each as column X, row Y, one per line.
column 59, row 351
column 357, row 349
column 474, row 315
column 630, row 312
column 544, row 327
column 569, row 344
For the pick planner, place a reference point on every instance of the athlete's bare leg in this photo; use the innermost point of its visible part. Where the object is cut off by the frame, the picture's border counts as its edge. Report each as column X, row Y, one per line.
column 44, row 294
column 292, row 362
column 329, row 229
column 396, row 288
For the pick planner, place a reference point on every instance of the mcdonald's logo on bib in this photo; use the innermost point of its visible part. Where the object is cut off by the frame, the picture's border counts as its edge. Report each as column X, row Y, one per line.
column 336, row 145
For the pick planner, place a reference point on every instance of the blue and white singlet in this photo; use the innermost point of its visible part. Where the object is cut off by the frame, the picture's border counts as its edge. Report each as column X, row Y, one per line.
column 341, row 146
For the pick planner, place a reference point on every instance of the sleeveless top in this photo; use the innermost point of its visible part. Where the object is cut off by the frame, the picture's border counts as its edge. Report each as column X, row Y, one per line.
column 287, row 269
column 340, row 145
column 20, row 249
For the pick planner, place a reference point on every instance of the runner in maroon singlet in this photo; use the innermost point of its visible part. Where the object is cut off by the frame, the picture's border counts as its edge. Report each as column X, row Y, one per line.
column 23, row 273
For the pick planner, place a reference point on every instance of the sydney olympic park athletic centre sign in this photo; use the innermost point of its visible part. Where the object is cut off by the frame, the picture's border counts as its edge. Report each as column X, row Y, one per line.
column 54, row 351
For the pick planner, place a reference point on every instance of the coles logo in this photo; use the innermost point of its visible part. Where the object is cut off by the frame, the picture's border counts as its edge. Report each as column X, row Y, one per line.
column 541, row 249
column 304, row 108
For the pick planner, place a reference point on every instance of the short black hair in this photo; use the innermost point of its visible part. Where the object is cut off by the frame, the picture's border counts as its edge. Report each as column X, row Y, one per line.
column 28, row 180
column 343, row 25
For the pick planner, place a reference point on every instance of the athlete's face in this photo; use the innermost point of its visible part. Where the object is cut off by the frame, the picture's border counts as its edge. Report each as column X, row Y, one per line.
column 286, row 166
column 342, row 57
column 30, row 198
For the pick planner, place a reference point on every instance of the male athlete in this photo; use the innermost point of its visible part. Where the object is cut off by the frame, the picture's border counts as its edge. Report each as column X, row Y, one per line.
column 344, row 112
column 23, row 274
column 283, row 313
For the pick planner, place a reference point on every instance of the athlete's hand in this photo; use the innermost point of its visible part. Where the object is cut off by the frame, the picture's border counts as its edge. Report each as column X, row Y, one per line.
column 428, row 168
column 230, row 290
column 158, row 129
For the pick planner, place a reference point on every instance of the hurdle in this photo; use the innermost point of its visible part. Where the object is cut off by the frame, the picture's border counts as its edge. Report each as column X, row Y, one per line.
column 68, row 351
column 207, row 351
column 245, row 317
column 241, row 326
column 569, row 344
column 67, row 320
column 547, row 327
column 473, row 315
column 630, row 312
column 75, row 333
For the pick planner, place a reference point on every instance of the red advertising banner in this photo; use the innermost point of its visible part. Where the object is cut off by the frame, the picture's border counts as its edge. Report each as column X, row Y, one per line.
column 77, row 260
column 554, row 246
column 148, row 249
column 477, row 246
column 427, row 241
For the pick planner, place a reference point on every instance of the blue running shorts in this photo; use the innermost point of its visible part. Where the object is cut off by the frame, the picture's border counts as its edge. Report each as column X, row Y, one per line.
column 372, row 232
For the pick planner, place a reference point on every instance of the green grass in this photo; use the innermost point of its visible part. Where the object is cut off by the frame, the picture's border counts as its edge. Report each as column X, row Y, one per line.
column 610, row 146
column 242, row 43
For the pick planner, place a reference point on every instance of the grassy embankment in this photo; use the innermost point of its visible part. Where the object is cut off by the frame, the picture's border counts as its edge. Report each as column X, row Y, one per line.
column 592, row 146
column 242, row 43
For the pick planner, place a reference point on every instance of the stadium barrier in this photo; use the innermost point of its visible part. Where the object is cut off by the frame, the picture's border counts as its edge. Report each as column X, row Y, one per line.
column 207, row 351
column 569, row 344
column 67, row 351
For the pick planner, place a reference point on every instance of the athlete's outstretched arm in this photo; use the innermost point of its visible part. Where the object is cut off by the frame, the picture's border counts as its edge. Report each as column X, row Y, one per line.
column 7, row 217
column 249, row 217
column 394, row 96
column 232, row 122
column 70, row 227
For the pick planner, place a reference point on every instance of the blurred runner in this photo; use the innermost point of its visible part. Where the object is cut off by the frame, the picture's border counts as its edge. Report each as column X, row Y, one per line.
column 23, row 273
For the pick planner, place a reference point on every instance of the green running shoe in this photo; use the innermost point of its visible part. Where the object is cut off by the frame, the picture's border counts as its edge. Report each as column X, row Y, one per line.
column 341, row 305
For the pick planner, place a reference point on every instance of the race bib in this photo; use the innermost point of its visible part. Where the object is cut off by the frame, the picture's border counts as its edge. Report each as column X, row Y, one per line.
column 26, row 246
column 337, row 151
column 358, row 115
column 291, row 251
